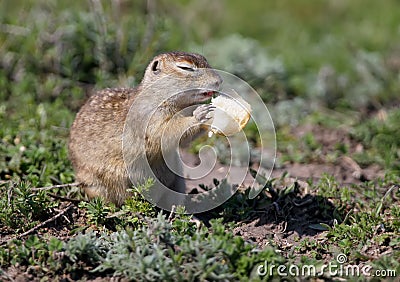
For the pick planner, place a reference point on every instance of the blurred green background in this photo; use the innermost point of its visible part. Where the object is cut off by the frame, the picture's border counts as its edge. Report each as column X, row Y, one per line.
column 334, row 53
column 305, row 58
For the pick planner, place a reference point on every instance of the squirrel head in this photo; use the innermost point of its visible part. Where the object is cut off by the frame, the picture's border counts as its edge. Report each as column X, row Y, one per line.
column 183, row 79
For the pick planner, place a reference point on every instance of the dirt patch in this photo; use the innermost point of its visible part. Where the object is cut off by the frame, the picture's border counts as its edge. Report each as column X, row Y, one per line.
column 295, row 213
column 301, row 213
column 345, row 169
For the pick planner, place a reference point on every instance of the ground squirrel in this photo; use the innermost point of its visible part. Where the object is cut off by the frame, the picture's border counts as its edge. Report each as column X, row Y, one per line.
column 170, row 98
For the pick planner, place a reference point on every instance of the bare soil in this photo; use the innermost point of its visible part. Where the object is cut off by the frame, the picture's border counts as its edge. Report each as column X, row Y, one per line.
column 299, row 214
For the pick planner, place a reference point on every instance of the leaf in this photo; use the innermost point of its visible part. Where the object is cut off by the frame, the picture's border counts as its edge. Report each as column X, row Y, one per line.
column 319, row 226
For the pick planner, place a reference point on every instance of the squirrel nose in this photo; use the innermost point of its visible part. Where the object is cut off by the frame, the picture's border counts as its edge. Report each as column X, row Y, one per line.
column 217, row 81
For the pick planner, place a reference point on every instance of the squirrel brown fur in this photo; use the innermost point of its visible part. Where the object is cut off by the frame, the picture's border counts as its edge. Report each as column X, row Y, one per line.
column 117, row 132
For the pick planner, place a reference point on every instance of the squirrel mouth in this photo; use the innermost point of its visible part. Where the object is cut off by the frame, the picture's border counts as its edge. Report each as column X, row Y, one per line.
column 209, row 94
column 205, row 96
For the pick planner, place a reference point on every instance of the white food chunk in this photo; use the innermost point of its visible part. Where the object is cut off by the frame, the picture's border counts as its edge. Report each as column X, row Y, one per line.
column 230, row 115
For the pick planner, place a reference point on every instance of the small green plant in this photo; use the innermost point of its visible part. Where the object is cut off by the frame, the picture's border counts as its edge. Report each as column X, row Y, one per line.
column 160, row 251
column 135, row 208
column 34, row 251
column 23, row 208
column 362, row 230
column 88, row 248
column 313, row 249
column 381, row 139
column 97, row 211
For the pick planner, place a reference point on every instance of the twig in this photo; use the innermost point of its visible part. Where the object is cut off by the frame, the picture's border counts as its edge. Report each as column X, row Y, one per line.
column 171, row 215
column 302, row 203
column 74, row 184
column 379, row 207
column 6, row 275
column 9, row 194
column 40, row 225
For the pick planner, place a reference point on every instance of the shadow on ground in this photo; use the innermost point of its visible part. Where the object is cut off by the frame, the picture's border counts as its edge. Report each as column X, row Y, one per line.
column 283, row 213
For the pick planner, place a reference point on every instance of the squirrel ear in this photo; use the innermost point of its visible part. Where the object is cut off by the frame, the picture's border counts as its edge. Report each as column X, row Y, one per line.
column 156, row 67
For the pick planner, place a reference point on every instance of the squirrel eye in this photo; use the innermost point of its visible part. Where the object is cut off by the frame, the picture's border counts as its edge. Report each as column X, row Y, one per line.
column 185, row 67
column 156, row 67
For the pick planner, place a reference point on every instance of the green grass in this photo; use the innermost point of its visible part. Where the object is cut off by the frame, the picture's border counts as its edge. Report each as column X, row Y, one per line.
column 381, row 139
column 136, row 241
column 328, row 66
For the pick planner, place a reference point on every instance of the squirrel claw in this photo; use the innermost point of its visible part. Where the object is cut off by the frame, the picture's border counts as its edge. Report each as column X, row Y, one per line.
column 204, row 112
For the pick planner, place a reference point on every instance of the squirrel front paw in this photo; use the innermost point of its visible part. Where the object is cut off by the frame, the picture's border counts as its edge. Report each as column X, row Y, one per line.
column 204, row 113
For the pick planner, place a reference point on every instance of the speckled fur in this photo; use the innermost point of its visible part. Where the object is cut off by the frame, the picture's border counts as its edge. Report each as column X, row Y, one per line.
column 95, row 145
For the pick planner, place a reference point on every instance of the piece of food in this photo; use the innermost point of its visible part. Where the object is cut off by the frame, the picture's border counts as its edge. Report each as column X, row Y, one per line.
column 230, row 115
